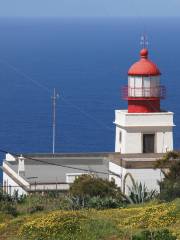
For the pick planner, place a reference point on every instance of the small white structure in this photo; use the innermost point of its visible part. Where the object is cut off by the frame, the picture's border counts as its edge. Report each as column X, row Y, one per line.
column 143, row 132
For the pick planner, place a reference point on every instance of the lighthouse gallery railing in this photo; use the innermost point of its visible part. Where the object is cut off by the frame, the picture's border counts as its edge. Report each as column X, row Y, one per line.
column 139, row 92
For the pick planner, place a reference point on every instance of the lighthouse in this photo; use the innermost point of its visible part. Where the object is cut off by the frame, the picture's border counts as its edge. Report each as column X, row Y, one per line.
column 144, row 127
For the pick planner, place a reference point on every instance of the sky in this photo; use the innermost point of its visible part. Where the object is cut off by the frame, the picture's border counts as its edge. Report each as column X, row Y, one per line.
column 89, row 8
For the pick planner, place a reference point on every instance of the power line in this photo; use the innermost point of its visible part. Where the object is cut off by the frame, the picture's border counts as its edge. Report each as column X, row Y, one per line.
column 26, row 76
column 85, row 113
column 45, row 88
column 59, row 165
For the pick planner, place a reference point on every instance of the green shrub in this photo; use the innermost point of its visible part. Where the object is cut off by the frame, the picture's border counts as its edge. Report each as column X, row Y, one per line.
column 36, row 208
column 170, row 189
column 170, row 185
column 76, row 203
column 91, row 186
column 103, row 203
column 162, row 234
column 21, row 199
column 66, row 203
column 9, row 208
column 5, row 197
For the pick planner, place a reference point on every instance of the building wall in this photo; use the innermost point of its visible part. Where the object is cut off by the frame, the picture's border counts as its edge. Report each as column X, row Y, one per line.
column 132, row 142
column 11, row 186
column 149, row 177
column 124, row 118
column 165, row 140
column 131, row 127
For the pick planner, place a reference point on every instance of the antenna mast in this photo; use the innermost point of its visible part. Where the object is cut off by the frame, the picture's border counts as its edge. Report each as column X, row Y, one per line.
column 144, row 41
column 54, row 99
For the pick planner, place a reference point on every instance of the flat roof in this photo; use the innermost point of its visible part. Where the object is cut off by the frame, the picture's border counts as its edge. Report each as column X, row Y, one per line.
column 49, row 168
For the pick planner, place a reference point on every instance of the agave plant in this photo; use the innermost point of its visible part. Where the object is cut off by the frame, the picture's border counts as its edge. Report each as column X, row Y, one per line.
column 139, row 193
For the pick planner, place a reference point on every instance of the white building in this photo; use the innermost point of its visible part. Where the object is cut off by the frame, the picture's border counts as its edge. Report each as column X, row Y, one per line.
column 50, row 172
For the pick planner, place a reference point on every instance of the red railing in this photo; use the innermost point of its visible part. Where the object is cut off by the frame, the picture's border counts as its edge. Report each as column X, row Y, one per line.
column 149, row 92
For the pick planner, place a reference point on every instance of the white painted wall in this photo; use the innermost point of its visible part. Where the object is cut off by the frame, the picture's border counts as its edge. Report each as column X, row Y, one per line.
column 133, row 125
column 123, row 118
column 18, row 177
column 165, row 140
column 12, row 186
column 10, row 157
column 132, row 142
column 149, row 177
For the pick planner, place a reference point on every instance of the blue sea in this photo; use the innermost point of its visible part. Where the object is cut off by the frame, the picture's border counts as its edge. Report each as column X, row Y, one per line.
column 86, row 60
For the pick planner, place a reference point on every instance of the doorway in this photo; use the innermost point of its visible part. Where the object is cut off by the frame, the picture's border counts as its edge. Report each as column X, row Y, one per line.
column 148, row 143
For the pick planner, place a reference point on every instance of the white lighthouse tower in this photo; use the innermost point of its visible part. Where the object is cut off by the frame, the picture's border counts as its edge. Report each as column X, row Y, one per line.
column 144, row 127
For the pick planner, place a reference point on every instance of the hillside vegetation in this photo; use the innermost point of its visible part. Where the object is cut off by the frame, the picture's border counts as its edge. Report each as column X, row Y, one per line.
column 111, row 224
column 96, row 209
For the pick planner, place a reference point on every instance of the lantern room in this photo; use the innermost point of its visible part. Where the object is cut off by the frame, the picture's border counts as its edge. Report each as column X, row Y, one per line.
column 144, row 90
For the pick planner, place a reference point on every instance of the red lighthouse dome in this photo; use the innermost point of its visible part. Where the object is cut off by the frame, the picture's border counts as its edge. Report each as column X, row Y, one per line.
column 144, row 90
column 144, row 66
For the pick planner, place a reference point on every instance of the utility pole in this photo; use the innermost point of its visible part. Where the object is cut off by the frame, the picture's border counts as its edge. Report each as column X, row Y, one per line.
column 54, row 99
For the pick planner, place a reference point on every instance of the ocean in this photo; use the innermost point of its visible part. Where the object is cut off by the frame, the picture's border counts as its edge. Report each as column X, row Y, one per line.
column 86, row 60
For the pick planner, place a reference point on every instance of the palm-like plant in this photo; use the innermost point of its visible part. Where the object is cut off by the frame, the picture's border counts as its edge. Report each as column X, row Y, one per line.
column 139, row 193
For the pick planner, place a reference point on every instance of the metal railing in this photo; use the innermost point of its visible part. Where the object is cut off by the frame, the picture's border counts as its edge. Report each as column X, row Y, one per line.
column 139, row 92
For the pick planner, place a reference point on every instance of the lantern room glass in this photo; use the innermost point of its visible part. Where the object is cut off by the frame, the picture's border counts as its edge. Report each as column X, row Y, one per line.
column 140, row 86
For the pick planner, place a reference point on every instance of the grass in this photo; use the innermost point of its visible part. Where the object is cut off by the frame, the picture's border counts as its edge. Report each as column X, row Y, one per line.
column 99, row 229
column 110, row 224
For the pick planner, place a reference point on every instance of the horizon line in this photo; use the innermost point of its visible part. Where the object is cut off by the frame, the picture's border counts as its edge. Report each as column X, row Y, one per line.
column 91, row 17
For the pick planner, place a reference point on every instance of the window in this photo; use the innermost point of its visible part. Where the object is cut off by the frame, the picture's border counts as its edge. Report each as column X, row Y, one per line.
column 70, row 177
column 148, row 143
column 131, row 86
column 138, row 86
column 120, row 136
